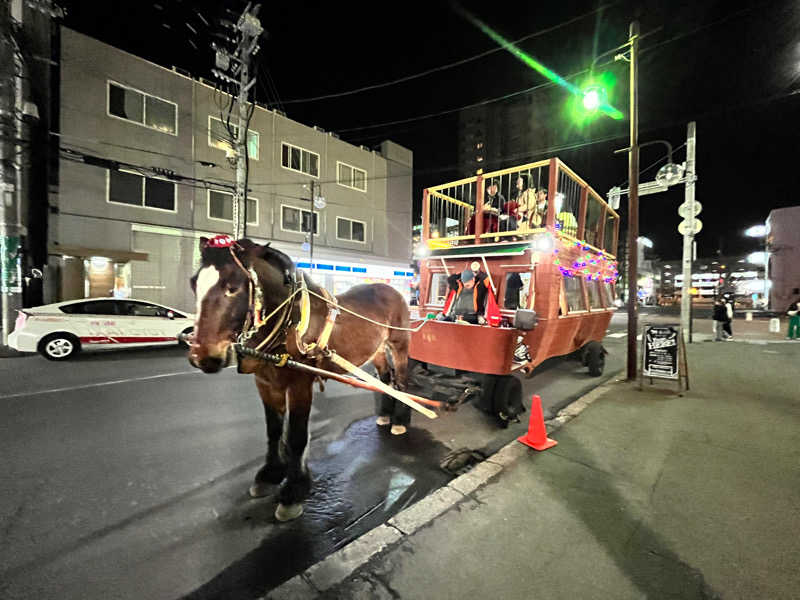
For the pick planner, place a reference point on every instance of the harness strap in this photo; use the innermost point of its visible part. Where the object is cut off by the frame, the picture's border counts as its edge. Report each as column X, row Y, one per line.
column 321, row 344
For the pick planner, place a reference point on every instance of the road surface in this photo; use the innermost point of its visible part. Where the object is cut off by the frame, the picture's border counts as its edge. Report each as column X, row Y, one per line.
column 126, row 474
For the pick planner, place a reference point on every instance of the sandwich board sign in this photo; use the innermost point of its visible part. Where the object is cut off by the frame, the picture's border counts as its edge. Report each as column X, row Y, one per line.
column 664, row 353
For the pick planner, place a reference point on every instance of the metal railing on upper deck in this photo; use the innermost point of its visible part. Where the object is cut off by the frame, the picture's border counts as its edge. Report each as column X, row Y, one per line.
column 515, row 203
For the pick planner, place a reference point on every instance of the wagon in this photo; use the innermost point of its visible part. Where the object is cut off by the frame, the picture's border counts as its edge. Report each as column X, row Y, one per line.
column 552, row 270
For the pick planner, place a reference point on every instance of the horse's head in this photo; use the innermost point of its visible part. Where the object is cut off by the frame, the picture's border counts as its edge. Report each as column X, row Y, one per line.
column 222, row 286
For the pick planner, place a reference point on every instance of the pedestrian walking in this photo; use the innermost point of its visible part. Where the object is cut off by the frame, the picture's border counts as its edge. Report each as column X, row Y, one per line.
column 729, row 318
column 720, row 315
column 793, row 312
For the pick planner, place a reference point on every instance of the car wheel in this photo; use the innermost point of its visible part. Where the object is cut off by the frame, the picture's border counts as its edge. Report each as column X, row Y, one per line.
column 59, row 346
column 184, row 343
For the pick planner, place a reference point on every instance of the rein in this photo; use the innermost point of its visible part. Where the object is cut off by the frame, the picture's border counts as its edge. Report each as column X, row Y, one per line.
column 256, row 319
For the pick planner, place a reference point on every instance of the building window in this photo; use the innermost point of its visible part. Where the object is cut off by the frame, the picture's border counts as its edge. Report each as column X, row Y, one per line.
column 298, row 220
column 299, row 159
column 350, row 176
column 220, row 207
column 219, row 137
column 144, row 109
column 350, row 230
column 145, row 192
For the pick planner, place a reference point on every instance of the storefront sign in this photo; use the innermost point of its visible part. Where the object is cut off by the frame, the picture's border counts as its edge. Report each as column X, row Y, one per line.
column 661, row 351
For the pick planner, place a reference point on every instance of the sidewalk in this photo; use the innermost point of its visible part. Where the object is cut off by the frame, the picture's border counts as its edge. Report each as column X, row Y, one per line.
column 647, row 495
column 754, row 332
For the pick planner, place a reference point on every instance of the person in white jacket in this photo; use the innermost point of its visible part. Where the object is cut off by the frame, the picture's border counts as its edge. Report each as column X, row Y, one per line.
column 729, row 312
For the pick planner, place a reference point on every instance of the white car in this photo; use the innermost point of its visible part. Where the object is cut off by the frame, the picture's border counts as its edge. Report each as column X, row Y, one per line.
column 59, row 331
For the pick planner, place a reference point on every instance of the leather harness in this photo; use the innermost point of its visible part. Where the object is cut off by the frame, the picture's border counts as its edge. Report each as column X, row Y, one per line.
column 256, row 318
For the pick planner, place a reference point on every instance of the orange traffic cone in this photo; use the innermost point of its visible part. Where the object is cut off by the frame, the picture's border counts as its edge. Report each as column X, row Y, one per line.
column 536, row 437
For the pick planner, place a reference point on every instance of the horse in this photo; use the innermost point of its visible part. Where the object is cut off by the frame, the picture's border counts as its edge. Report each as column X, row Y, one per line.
column 241, row 282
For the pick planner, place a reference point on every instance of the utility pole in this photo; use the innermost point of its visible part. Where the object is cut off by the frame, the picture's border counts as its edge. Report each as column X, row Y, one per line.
column 633, row 202
column 311, row 235
column 688, row 235
column 11, row 164
column 249, row 30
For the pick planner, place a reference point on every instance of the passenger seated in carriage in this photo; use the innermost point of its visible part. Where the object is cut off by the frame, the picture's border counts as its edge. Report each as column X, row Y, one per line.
column 538, row 215
column 471, row 298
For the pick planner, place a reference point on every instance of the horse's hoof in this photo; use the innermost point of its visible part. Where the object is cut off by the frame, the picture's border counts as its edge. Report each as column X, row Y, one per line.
column 259, row 490
column 287, row 512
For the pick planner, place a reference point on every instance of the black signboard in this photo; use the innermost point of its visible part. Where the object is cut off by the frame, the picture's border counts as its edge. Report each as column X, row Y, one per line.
column 661, row 351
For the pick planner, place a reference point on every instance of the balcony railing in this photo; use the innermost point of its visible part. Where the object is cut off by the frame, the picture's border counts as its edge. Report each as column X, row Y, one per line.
column 516, row 203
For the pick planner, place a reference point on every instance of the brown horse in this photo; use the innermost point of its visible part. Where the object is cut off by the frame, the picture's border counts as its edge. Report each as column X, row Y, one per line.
column 239, row 279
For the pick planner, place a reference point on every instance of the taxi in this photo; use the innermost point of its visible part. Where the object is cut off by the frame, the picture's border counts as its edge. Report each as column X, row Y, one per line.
column 60, row 331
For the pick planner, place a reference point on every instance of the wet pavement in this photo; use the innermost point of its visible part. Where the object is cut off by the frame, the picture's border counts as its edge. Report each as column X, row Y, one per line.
column 138, row 488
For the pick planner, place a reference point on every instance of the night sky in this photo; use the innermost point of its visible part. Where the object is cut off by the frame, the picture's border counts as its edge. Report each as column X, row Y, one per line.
column 732, row 67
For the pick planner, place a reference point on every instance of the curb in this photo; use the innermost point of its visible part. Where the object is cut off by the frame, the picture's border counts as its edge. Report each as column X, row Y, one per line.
column 336, row 567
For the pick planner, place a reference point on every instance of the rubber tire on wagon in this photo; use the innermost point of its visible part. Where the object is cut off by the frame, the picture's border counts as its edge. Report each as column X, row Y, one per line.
column 59, row 346
column 595, row 358
column 502, row 391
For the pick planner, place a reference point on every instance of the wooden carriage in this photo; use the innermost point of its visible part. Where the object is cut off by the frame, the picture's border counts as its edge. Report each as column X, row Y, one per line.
column 564, row 257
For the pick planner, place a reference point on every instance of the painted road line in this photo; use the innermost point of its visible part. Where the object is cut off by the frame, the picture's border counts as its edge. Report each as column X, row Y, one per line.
column 617, row 335
column 94, row 385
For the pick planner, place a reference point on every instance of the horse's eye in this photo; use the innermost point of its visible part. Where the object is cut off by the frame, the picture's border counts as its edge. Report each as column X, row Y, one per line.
column 231, row 290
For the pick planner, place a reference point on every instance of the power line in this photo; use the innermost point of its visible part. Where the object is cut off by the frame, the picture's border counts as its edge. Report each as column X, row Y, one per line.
column 547, row 84
column 680, row 36
column 457, row 63
column 459, row 109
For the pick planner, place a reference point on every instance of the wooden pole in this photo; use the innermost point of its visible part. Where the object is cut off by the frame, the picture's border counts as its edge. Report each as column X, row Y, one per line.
column 633, row 202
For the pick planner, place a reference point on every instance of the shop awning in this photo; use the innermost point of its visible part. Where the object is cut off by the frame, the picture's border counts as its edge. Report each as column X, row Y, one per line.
column 117, row 255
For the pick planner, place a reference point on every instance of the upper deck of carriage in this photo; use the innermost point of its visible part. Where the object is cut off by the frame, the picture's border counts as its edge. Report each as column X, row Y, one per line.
column 544, row 199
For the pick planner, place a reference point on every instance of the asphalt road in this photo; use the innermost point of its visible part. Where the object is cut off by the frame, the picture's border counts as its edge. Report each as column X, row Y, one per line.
column 125, row 474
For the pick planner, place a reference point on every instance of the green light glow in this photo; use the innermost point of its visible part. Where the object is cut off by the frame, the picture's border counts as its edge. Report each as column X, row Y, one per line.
column 603, row 106
column 591, row 99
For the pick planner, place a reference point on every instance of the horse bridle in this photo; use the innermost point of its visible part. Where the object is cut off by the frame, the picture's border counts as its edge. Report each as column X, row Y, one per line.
column 255, row 317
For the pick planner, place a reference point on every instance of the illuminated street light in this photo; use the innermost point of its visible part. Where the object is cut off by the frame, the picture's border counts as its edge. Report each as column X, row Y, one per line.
column 592, row 98
column 669, row 174
column 757, row 258
column 602, row 104
column 756, row 231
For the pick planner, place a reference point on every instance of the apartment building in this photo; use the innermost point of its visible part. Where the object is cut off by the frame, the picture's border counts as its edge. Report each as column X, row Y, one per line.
column 131, row 228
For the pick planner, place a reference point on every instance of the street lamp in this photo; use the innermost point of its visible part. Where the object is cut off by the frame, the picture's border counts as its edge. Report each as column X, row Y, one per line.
column 593, row 97
column 760, row 258
column 646, row 242
column 756, row 231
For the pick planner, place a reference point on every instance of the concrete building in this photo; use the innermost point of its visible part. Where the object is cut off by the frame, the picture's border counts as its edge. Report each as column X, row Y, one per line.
column 712, row 277
column 783, row 247
column 501, row 134
column 133, row 230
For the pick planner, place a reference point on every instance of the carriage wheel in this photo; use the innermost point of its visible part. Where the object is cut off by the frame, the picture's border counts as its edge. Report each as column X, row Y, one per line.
column 501, row 393
column 595, row 358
